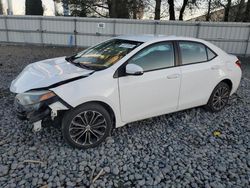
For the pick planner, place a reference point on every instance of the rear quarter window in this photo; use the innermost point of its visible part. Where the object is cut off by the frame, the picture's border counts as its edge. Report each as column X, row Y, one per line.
column 210, row 54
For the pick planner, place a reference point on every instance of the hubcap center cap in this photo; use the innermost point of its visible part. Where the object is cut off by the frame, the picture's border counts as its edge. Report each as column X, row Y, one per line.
column 88, row 127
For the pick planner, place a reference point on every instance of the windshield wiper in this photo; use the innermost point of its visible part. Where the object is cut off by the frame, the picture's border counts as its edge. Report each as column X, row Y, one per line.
column 85, row 66
column 82, row 65
column 92, row 66
column 70, row 59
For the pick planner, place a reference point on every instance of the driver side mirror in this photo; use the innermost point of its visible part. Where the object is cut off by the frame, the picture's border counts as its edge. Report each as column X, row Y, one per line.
column 133, row 69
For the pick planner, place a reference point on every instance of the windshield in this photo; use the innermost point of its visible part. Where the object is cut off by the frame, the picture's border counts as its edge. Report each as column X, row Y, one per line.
column 103, row 55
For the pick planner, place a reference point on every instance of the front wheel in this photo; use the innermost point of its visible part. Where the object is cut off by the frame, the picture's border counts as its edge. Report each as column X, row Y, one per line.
column 86, row 126
column 219, row 97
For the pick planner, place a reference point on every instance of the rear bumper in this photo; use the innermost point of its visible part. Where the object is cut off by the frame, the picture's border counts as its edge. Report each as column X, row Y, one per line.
column 237, row 75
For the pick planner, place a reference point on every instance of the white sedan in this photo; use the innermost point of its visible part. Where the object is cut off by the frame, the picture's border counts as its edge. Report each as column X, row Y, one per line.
column 122, row 80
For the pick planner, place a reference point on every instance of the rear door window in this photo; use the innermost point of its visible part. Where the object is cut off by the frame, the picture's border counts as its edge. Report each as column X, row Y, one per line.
column 192, row 52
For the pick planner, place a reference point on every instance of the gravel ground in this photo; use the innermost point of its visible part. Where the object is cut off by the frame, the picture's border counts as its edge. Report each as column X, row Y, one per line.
column 176, row 150
column 245, row 66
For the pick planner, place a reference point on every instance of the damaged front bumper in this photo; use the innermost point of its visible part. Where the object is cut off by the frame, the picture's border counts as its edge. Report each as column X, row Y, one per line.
column 38, row 112
column 32, row 112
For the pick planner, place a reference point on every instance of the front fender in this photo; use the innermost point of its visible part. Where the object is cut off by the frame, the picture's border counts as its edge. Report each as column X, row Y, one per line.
column 97, row 87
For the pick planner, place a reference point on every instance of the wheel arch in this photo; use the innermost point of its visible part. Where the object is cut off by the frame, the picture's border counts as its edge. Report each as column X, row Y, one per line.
column 208, row 104
column 106, row 106
column 225, row 80
column 228, row 82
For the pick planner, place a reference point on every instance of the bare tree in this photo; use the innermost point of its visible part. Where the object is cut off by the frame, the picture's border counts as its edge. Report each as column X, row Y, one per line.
column 171, row 10
column 1, row 7
column 238, row 15
column 79, row 8
column 33, row 7
column 112, row 8
column 208, row 10
column 183, row 7
column 85, row 8
column 136, row 8
column 124, row 8
column 157, row 10
column 227, row 10
column 118, row 8
column 226, row 4
column 247, row 12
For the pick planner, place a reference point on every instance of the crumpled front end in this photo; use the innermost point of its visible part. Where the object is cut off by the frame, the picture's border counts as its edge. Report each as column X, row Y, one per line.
column 34, row 100
column 33, row 112
column 47, row 73
column 38, row 107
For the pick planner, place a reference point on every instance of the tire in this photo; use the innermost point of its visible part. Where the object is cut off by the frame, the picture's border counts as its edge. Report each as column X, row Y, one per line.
column 219, row 97
column 86, row 126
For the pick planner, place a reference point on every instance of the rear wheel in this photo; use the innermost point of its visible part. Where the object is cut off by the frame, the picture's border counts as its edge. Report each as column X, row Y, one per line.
column 86, row 126
column 219, row 97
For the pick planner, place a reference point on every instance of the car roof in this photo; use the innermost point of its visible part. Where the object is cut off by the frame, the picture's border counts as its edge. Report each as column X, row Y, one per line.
column 151, row 38
column 158, row 38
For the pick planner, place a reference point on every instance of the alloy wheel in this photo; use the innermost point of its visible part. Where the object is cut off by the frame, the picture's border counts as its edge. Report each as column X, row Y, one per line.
column 220, row 98
column 87, row 127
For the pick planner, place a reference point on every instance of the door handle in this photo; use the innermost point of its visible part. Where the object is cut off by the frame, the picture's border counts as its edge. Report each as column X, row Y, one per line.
column 173, row 76
column 215, row 67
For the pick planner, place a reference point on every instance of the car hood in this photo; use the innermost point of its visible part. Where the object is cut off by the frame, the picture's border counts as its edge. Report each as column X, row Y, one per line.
column 46, row 73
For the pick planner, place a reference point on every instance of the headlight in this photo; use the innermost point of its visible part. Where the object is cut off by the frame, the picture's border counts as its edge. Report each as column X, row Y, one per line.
column 34, row 97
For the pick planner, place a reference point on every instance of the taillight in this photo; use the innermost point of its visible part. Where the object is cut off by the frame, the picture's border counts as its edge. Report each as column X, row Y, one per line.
column 238, row 63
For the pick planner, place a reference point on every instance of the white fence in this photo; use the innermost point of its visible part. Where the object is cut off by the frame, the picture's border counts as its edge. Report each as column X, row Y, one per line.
column 232, row 37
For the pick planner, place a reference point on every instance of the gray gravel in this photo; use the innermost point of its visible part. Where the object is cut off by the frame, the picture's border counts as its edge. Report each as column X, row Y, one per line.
column 175, row 150
column 245, row 66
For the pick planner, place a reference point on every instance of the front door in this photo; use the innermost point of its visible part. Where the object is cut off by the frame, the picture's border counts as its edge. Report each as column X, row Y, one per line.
column 156, row 91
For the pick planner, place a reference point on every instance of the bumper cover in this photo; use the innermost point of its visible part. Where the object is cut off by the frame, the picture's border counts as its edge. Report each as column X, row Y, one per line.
column 33, row 113
column 46, row 110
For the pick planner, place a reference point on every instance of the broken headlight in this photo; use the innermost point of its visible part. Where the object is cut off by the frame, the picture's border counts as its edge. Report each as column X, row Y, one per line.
column 34, row 97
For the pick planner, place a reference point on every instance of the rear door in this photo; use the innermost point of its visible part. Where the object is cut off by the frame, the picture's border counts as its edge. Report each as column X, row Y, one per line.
column 200, row 72
column 156, row 91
